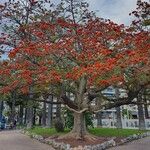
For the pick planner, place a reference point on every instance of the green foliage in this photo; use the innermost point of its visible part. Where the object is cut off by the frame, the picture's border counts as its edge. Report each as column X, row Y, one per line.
column 59, row 126
column 69, row 120
column 146, row 22
column 127, row 113
column 89, row 120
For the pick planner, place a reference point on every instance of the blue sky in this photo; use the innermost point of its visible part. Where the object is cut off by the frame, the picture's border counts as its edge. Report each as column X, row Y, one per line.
column 115, row 10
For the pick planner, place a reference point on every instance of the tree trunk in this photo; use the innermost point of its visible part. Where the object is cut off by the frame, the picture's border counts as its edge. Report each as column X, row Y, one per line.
column 141, row 117
column 34, row 116
column 13, row 110
column 118, row 115
column 146, row 108
column 44, row 114
column 1, row 107
column 146, row 111
column 49, row 115
column 142, row 125
column 79, row 129
column 58, row 110
column 118, row 111
column 99, row 119
column 21, row 115
column 40, row 120
column 30, row 117
column 25, row 116
column 30, row 111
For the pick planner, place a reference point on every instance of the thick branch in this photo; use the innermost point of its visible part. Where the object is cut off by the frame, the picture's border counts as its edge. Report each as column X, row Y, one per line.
column 79, row 112
column 68, row 102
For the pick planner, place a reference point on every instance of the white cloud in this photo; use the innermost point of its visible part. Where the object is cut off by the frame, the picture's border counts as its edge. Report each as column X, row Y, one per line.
column 116, row 10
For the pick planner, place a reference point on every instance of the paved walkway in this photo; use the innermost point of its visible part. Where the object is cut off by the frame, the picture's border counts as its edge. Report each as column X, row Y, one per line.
column 142, row 144
column 13, row 140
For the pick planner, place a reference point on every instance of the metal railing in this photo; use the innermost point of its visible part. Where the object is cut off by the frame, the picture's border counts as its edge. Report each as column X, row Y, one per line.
column 126, row 123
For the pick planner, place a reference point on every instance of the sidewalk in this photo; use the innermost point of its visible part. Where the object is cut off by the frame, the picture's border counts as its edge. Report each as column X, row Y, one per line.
column 14, row 140
column 141, row 144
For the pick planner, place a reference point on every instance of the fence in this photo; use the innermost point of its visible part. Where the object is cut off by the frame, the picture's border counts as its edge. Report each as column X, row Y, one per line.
column 126, row 123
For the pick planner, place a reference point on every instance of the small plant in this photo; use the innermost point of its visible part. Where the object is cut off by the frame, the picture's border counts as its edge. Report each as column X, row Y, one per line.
column 68, row 119
column 59, row 126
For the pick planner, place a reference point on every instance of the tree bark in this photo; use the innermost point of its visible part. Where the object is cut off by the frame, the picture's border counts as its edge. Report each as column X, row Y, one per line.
column 99, row 119
column 49, row 115
column 13, row 110
column 21, row 115
column 118, row 111
column 58, row 110
column 146, row 108
column 1, row 107
column 30, row 117
column 44, row 115
column 79, row 131
column 34, row 116
column 30, row 112
column 40, row 120
column 118, row 115
column 79, row 128
column 25, row 116
column 146, row 111
column 142, row 125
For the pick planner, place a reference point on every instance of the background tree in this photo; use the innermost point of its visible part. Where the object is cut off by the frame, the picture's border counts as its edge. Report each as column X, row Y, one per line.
column 84, row 70
column 141, row 24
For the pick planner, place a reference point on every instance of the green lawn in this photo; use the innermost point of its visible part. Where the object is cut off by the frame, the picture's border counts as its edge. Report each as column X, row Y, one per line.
column 108, row 132
column 46, row 131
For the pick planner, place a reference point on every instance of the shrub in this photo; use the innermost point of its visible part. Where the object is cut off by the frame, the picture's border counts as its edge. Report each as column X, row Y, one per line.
column 59, row 126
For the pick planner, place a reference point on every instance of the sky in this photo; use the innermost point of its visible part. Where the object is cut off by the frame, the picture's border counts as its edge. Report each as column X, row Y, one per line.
column 115, row 10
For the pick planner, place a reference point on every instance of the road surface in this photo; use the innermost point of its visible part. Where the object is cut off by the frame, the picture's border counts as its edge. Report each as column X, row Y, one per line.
column 141, row 144
column 13, row 140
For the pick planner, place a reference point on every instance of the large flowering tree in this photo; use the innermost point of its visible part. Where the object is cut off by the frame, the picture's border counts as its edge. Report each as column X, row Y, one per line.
column 75, row 56
column 82, row 58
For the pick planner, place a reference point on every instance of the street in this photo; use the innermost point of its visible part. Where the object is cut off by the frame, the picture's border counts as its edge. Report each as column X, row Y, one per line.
column 13, row 140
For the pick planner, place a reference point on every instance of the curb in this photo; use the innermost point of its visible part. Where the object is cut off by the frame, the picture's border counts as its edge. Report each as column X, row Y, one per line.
column 102, row 146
